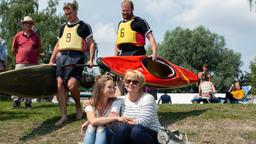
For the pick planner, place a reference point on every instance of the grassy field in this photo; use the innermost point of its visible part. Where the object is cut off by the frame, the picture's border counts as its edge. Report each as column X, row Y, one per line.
column 204, row 123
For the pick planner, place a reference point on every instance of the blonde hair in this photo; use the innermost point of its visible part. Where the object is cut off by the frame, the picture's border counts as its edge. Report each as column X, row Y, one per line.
column 135, row 74
column 128, row 2
column 98, row 89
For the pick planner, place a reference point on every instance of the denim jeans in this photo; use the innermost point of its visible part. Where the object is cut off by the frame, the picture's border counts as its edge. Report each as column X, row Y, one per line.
column 95, row 135
column 138, row 134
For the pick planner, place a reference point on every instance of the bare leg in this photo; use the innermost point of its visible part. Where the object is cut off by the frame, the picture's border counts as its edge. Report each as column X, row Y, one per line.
column 62, row 102
column 73, row 86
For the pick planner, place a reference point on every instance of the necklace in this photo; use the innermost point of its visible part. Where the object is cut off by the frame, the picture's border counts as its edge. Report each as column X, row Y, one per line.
column 102, row 111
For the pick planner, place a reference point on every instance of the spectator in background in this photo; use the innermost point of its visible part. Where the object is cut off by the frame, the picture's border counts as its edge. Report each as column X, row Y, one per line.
column 3, row 55
column 165, row 98
column 26, row 48
column 206, row 91
column 235, row 93
column 205, row 72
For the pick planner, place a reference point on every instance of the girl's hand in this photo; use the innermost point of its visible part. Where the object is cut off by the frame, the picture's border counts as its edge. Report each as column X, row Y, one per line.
column 83, row 127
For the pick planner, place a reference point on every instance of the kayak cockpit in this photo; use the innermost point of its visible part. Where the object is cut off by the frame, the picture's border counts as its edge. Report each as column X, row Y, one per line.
column 158, row 68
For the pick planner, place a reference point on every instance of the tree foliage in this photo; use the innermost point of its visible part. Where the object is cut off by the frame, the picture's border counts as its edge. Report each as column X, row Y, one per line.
column 252, row 76
column 252, row 3
column 47, row 22
column 193, row 48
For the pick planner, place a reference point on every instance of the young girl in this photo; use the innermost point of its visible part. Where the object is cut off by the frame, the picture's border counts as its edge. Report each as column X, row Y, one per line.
column 103, row 109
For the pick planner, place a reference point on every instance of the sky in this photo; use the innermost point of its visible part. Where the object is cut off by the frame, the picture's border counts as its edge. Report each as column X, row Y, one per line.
column 229, row 18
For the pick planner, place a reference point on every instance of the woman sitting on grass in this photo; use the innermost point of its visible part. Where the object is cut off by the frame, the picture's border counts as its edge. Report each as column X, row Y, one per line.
column 103, row 109
column 206, row 90
column 139, row 111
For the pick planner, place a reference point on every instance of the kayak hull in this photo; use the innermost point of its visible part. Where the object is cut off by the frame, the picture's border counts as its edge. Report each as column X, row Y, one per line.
column 158, row 73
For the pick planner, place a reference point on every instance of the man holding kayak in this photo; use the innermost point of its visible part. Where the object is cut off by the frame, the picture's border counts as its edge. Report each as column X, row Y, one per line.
column 131, row 36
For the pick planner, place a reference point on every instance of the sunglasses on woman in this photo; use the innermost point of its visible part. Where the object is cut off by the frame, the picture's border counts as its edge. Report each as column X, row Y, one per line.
column 134, row 82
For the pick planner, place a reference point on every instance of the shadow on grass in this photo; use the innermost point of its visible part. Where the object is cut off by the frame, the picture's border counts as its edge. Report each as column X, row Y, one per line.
column 22, row 112
column 167, row 118
column 15, row 115
column 47, row 127
column 46, row 106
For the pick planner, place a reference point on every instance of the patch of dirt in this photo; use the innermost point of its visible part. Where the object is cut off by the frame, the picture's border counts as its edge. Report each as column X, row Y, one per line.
column 217, row 132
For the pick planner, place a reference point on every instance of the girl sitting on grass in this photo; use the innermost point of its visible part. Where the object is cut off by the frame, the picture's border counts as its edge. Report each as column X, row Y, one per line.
column 103, row 109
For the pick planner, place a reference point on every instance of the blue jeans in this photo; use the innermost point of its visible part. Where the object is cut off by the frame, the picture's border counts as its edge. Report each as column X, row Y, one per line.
column 95, row 135
column 137, row 134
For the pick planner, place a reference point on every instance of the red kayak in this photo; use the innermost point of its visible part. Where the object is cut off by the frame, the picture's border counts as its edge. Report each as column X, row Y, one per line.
column 158, row 73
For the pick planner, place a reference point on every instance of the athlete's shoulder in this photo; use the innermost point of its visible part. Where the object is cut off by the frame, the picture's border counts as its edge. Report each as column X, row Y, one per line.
column 139, row 19
column 83, row 24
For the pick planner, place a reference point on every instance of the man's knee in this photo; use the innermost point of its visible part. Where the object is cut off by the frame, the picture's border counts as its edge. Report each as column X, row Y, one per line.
column 60, row 83
column 72, row 84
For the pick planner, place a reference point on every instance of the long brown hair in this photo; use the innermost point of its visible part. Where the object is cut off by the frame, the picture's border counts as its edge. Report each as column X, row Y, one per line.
column 98, row 89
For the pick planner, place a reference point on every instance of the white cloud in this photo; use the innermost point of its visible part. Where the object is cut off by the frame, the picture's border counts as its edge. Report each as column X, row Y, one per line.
column 104, row 35
column 105, row 32
column 230, row 18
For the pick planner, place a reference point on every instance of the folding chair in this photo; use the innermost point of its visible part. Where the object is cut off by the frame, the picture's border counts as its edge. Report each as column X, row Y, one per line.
column 246, row 91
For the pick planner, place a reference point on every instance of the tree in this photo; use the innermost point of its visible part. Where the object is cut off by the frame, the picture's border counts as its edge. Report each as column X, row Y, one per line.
column 47, row 22
column 252, row 75
column 48, row 25
column 252, row 3
column 193, row 48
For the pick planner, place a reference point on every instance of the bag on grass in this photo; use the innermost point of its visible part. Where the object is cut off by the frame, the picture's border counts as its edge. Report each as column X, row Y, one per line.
column 167, row 136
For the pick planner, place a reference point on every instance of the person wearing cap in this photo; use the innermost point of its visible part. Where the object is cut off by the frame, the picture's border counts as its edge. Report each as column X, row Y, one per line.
column 3, row 55
column 75, row 36
column 26, row 48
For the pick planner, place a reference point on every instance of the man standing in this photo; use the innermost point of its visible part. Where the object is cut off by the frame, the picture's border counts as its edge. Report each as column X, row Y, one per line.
column 3, row 55
column 131, row 34
column 75, row 37
column 26, row 48
column 203, row 73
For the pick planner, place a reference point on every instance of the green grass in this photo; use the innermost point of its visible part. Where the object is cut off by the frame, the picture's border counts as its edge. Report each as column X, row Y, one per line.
column 204, row 123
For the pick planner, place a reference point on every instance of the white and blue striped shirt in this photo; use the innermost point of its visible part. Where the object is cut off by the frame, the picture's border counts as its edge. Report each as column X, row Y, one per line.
column 144, row 110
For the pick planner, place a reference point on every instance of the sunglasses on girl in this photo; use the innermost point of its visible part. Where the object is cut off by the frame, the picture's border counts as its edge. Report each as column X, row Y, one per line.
column 134, row 82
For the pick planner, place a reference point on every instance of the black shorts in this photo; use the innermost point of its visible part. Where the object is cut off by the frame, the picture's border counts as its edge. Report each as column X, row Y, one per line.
column 133, row 53
column 66, row 58
column 130, row 50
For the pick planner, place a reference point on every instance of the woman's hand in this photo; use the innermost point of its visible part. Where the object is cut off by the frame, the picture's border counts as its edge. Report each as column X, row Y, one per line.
column 83, row 127
column 130, row 121
column 231, row 88
column 120, row 119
